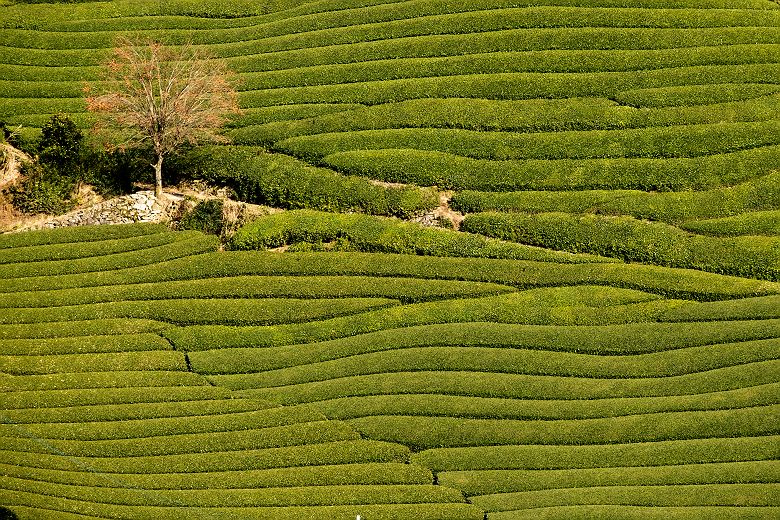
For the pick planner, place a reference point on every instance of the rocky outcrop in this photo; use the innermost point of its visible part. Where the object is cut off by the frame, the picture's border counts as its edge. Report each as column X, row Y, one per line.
column 141, row 206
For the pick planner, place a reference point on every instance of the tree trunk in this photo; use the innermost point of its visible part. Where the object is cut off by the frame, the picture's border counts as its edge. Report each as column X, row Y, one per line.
column 158, row 177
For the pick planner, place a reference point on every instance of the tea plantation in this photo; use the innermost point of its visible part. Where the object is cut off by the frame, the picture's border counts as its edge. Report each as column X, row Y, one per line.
column 599, row 340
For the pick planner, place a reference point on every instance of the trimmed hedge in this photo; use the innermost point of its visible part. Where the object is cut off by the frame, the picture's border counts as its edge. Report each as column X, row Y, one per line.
column 527, row 115
column 309, row 229
column 387, row 328
column 654, row 142
column 454, row 172
column 745, row 495
column 673, row 283
column 262, row 178
column 335, row 475
column 405, row 290
column 692, row 95
column 83, row 345
column 272, row 437
column 194, row 423
column 432, row 432
column 214, row 404
column 754, row 223
column 184, row 311
column 73, row 251
column 634, row 241
column 115, row 361
column 649, row 454
column 611, row 512
column 496, row 408
column 507, row 481
column 187, row 243
column 510, row 386
column 79, row 234
column 762, row 193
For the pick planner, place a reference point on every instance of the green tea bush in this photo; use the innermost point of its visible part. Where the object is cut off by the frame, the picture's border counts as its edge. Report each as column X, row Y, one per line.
column 615, row 512
column 96, row 248
column 655, row 142
column 114, row 361
column 371, row 234
column 762, row 193
column 645, row 338
column 748, row 495
column 649, row 454
column 517, row 85
column 494, row 360
column 506, row 386
column 634, row 240
column 430, row 432
column 525, row 115
column 192, row 423
column 91, row 327
column 202, row 311
column 429, row 168
column 406, row 290
column 673, row 283
column 185, row 388
column 530, row 409
column 275, row 180
column 187, row 243
column 752, row 223
column 693, row 95
column 234, row 440
column 83, row 345
column 507, row 481
column 209, row 406
column 78, row 235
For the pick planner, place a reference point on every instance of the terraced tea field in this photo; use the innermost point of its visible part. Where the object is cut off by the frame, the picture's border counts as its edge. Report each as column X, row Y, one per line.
column 600, row 340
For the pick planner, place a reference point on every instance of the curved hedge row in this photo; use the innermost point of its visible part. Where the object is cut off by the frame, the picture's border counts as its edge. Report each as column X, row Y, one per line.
column 186, row 243
column 311, row 230
column 64, row 81
column 262, row 178
column 762, row 193
column 405, row 290
column 507, row 481
column 634, row 241
column 402, row 19
column 428, row 168
column 753, row 223
column 526, row 115
column 431, row 432
column 531, row 409
column 655, row 142
column 510, row 386
column 669, row 282
column 185, row 311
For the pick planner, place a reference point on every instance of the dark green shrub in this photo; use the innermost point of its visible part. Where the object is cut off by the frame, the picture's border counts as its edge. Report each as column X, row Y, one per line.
column 61, row 144
column 206, row 216
column 43, row 190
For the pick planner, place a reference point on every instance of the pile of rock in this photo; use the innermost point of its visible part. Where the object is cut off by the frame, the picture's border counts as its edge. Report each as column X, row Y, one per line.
column 141, row 206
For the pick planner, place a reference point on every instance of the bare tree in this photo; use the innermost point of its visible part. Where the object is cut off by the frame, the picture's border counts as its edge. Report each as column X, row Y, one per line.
column 161, row 96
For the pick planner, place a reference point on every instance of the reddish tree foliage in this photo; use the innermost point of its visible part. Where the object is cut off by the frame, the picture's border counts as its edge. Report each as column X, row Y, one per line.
column 163, row 97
